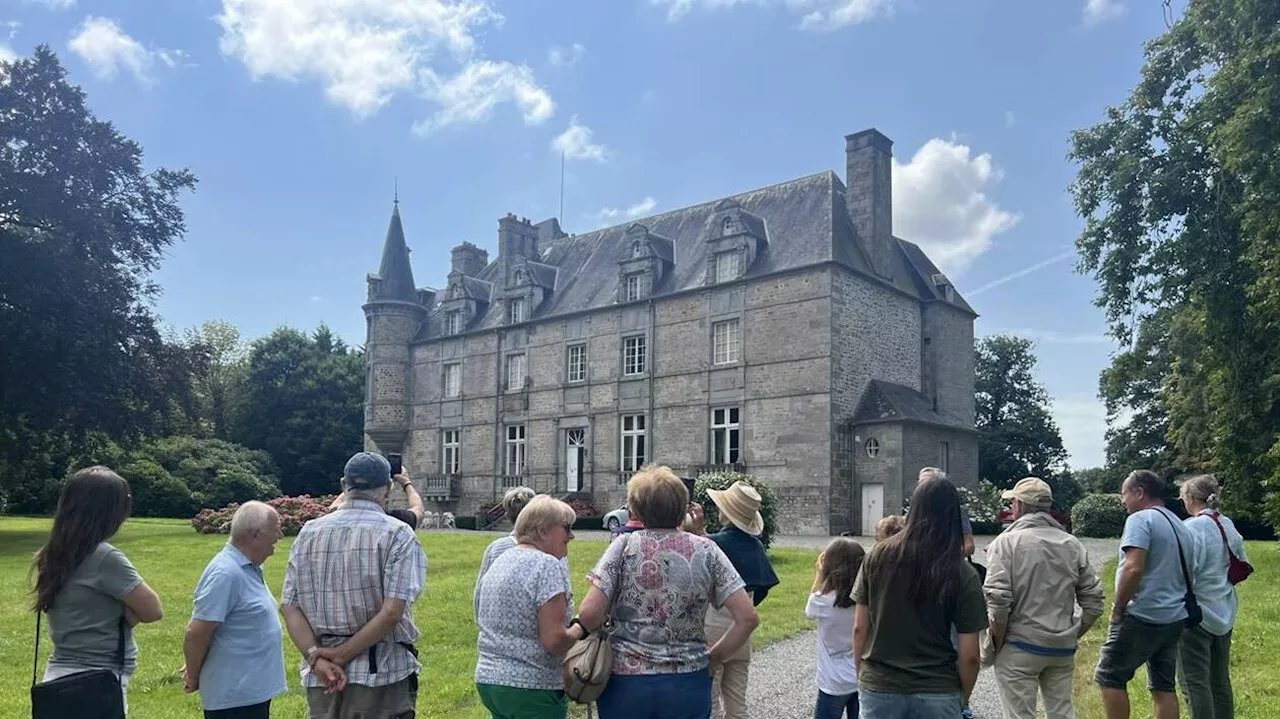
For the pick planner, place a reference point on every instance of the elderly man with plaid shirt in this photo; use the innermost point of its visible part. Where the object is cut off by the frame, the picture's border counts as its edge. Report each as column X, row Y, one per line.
column 351, row 579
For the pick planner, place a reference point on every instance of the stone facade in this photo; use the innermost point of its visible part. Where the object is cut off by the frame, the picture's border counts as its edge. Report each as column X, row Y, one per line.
column 776, row 330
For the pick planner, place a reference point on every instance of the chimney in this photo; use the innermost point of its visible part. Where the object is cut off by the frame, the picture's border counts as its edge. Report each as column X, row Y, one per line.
column 517, row 237
column 869, row 196
column 469, row 259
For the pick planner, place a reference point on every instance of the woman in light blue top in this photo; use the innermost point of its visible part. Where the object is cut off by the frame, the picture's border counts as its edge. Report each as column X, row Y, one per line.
column 1205, row 651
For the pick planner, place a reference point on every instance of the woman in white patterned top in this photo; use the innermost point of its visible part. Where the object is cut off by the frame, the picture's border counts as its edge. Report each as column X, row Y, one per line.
column 661, row 581
column 513, row 502
column 524, row 607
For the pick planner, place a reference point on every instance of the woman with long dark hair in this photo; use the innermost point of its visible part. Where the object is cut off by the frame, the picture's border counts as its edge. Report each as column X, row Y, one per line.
column 913, row 588
column 89, row 590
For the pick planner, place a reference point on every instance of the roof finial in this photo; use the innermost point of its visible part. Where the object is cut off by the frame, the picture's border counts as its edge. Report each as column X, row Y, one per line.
column 397, row 195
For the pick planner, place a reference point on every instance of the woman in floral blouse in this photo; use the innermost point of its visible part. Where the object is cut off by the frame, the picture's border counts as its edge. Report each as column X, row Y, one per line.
column 661, row 580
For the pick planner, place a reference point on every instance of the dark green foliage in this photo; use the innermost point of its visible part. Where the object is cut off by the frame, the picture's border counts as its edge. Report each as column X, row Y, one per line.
column 724, row 480
column 464, row 521
column 156, row 493
column 304, row 405
column 1018, row 437
column 1066, row 491
column 214, row 472
column 1098, row 515
column 581, row 523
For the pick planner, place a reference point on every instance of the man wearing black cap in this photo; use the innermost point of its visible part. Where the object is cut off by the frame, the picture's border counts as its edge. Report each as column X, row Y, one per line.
column 352, row 578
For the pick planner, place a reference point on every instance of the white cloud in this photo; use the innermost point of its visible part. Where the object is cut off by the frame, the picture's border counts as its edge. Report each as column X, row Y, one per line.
column 1096, row 11
column 1009, row 119
column 1082, row 422
column 575, row 143
column 939, row 202
column 471, row 95
column 53, row 4
column 107, row 49
column 814, row 14
column 365, row 52
column 639, row 209
column 7, row 54
column 317, row 298
column 1059, row 338
column 566, row 56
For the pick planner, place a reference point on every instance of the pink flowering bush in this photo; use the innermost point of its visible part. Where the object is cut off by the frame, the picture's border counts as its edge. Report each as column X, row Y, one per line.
column 294, row 512
column 584, row 508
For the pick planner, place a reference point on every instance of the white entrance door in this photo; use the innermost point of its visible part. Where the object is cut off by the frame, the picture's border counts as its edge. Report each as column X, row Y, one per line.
column 872, row 507
column 575, row 451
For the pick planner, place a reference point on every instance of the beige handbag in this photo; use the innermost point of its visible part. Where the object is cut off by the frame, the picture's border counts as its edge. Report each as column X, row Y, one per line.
column 589, row 662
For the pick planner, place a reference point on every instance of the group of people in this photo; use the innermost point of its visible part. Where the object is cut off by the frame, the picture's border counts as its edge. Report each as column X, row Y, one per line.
column 351, row 581
column 902, row 628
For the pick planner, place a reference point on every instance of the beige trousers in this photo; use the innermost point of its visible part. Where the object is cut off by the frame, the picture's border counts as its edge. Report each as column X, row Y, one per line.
column 1021, row 675
column 729, row 680
column 394, row 701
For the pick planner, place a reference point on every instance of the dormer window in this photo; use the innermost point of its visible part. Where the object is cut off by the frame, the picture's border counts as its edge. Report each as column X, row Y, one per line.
column 729, row 226
column 637, row 249
column 728, row 266
column 521, row 277
column 453, row 322
column 634, row 289
column 517, row 311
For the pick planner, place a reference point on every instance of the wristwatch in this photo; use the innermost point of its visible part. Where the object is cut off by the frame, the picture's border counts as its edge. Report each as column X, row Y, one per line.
column 585, row 632
column 311, row 655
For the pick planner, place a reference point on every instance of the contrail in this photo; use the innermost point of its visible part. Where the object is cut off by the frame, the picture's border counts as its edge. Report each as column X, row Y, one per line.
column 1021, row 273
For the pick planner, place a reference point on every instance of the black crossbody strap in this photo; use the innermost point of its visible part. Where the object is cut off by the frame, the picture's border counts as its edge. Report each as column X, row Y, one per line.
column 1182, row 559
column 120, row 645
column 35, row 661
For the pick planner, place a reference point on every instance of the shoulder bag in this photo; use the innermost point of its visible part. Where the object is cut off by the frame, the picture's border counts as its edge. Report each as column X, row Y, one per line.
column 1194, row 615
column 589, row 662
column 92, row 694
column 1238, row 570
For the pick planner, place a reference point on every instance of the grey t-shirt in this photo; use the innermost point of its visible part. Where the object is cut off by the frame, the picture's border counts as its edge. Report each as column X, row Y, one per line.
column 85, row 617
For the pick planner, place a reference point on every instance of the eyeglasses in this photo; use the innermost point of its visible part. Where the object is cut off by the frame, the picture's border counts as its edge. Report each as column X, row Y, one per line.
column 568, row 528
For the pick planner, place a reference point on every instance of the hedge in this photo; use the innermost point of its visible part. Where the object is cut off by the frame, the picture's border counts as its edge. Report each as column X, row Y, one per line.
column 1099, row 515
column 724, row 480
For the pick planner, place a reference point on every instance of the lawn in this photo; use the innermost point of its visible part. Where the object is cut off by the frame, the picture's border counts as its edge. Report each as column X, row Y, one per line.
column 1255, row 647
column 171, row 556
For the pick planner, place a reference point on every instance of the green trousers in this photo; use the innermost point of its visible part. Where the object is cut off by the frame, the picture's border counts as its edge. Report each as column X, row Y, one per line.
column 512, row 703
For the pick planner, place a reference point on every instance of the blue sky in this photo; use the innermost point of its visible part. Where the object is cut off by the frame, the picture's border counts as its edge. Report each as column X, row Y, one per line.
column 299, row 117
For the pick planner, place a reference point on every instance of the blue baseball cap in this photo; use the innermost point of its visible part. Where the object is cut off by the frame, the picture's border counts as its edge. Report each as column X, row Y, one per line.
column 366, row 470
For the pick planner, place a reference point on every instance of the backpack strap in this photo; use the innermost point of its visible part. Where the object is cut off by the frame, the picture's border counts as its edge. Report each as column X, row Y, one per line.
column 35, row 661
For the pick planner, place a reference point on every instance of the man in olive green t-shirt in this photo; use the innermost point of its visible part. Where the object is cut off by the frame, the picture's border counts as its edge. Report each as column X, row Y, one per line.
column 908, row 664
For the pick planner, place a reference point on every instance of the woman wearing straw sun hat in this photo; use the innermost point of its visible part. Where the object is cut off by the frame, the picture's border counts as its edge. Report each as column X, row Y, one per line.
column 739, row 508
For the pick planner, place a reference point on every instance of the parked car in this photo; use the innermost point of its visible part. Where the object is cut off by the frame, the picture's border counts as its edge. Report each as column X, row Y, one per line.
column 616, row 518
column 1006, row 517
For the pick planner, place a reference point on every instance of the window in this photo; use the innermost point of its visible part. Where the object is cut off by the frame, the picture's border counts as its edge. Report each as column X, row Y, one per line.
column 944, row 456
column 873, row 447
column 633, row 357
column 516, row 311
column 515, row 450
column 633, row 288
column 516, row 371
column 728, row 266
column 450, row 451
column 452, row 380
column 633, row 442
column 453, row 322
column 726, row 436
column 637, row 249
column 726, row 341
column 577, row 363
column 728, row 227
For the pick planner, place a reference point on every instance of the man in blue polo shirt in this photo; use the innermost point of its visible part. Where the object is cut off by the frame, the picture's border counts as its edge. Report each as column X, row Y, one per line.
column 233, row 644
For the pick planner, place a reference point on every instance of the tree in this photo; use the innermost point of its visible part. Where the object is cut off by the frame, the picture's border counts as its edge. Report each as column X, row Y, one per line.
column 1178, row 186
column 220, row 385
column 304, row 405
column 1095, row 480
column 1017, row 434
column 81, row 227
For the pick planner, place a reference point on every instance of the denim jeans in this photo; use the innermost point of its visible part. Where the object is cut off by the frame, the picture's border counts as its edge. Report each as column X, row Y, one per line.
column 875, row 705
column 657, row 696
column 831, row 706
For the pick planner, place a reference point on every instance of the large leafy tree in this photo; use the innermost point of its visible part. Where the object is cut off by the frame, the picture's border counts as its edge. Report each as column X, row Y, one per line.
column 304, row 405
column 1179, row 189
column 219, row 386
column 82, row 224
column 1017, row 434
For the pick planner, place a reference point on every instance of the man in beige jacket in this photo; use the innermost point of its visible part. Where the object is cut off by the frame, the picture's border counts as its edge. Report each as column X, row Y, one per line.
column 1037, row 573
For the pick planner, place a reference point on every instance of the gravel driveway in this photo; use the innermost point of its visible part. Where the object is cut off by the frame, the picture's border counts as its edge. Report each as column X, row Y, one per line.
column 783, row 684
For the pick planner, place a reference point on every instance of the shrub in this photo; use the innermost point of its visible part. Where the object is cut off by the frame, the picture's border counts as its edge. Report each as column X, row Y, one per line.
column 464, row 521
column 294, row 512
column 1067, row 491
column 589, row 523
column 584, row 508
column 216, row 473
column 1099, row 515
column 156, row 493
column 724, row 480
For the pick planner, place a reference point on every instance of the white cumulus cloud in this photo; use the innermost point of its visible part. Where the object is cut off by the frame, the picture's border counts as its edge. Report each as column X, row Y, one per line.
column 940, row 203
column 471, row 95
column 640, row 209
column 566, row 56
column 365, row 52
column 7, row 54
column 575, row 144
column 108, row 50
column 1096, row 11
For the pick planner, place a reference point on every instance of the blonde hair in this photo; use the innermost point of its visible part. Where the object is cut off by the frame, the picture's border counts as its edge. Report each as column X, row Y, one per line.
column 658, row 497
column 542, row 514
column 889, row 526
column 515, row 500
column 1202, row 488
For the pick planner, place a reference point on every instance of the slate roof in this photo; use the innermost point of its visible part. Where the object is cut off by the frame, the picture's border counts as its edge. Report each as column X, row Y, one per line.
column 395, row 271
column 803, row 220
column 891, row 402
column 542, row 275
column 477, row 289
